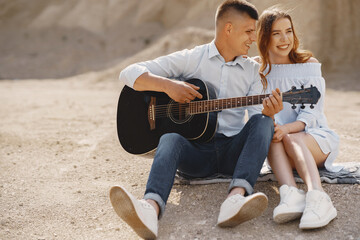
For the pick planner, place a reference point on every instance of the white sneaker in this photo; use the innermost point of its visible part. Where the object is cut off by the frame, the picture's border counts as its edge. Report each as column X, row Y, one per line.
column 238, row 209
column 138, row 214
column 319, row 210
column 291, row 206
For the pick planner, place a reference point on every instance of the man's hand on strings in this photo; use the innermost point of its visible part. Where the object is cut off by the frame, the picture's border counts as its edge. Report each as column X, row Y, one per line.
column 273, row 104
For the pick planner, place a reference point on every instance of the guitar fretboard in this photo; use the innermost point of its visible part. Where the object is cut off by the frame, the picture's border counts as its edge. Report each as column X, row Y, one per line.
column 227, row 103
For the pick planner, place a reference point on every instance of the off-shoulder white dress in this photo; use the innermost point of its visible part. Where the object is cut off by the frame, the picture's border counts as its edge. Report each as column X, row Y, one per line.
column 284, row 76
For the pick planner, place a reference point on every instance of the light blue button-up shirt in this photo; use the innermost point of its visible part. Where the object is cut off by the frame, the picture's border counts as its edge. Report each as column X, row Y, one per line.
column 237, row 78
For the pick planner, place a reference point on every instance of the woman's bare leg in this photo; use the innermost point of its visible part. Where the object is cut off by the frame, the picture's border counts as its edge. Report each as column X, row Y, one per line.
column 303, row 149
column 281, row 164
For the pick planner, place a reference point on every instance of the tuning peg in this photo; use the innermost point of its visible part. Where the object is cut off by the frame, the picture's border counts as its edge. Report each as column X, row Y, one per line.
column 293, row 106
column 302, row 106
column 302, row 86
column 311, row 106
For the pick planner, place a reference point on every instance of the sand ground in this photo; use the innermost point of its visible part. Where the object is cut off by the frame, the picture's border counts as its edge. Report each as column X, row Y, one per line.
column 60, row 155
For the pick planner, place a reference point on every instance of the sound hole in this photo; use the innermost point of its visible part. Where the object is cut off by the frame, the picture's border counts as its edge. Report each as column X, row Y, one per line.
column 179, row 112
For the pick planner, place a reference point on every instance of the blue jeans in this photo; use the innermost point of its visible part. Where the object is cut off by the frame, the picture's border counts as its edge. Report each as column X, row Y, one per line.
column 241, row 156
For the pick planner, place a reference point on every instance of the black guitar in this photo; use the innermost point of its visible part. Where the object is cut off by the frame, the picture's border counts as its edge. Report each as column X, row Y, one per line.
column 143, row 117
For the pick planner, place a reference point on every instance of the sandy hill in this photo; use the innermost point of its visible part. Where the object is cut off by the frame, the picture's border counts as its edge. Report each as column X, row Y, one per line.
column 55, row 39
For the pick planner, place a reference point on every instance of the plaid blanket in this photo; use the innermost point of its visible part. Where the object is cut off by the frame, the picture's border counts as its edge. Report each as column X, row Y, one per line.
column 350, row 174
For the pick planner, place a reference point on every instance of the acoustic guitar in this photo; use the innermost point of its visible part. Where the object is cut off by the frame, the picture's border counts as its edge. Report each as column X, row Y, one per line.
column 144, row 116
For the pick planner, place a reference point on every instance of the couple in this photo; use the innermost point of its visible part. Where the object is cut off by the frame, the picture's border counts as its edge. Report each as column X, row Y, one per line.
column 292, row 139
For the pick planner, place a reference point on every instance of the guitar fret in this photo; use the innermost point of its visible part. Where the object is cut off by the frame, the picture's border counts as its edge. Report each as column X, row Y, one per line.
column 214, row 105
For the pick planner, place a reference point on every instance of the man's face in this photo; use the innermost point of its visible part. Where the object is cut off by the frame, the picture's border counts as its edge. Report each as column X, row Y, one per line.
column 242, row 34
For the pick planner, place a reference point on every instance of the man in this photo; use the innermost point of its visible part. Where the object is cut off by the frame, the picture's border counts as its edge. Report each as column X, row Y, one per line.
column 237, row 149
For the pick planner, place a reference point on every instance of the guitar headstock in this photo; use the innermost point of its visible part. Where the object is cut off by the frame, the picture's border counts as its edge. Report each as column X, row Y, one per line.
column 302, row 96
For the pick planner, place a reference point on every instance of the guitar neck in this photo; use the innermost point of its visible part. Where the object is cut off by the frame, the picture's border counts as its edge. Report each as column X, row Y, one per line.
column 216, row 105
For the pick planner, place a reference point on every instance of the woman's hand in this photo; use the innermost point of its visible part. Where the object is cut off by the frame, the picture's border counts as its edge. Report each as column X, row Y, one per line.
column 279, row 132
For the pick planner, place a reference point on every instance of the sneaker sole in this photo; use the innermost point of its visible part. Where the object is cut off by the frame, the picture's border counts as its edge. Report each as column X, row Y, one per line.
column 253, row 208
column 287, row 217
column 125, row 209
column 332, row 214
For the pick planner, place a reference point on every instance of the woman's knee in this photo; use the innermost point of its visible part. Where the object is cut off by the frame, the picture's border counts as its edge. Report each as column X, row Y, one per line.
column 292, row 139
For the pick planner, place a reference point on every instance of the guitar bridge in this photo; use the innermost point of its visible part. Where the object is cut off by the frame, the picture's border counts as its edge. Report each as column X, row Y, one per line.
column 151, row 113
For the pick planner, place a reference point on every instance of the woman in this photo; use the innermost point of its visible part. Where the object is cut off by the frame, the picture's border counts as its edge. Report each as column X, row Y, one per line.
column 302, row 138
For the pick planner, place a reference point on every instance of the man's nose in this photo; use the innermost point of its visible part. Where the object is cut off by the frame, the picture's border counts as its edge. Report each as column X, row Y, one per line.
column 253, row 36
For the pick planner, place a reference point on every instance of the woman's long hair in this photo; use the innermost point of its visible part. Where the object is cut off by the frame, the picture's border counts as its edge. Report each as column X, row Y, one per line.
column 264, row 28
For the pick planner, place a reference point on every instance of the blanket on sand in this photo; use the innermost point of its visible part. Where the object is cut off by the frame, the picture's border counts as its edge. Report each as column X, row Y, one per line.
column 350, row 174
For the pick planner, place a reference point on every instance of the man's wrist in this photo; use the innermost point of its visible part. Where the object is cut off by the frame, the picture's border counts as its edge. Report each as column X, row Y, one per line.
column 270, row 116
column 166, row 85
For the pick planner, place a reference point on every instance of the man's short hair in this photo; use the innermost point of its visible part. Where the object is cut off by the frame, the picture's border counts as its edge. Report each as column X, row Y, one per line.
column 241, row 6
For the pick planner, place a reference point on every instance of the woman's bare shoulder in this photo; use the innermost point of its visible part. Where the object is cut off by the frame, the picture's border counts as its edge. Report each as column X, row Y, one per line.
column 312, row 60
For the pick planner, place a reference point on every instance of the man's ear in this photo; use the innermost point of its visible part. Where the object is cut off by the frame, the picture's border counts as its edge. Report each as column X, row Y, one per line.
column 228, row 28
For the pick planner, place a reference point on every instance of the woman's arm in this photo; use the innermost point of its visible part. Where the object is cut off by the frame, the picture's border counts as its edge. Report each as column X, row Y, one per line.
column 281, row 130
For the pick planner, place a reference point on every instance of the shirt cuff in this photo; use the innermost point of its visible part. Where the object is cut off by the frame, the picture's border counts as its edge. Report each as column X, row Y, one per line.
column 306, row 123
column 131, row 73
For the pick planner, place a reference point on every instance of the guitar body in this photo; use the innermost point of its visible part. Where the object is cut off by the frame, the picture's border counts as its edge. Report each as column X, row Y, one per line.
column 133, row 126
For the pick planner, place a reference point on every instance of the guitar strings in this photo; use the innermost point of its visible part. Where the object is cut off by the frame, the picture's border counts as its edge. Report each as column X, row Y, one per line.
column 181, row 108
column 177, row 108
column 212, row 103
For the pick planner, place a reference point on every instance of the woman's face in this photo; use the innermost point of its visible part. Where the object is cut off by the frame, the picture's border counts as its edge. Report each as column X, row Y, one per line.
column 281, row 41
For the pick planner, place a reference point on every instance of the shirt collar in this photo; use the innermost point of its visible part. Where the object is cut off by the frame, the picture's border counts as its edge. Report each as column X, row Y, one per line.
column 213, row 52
